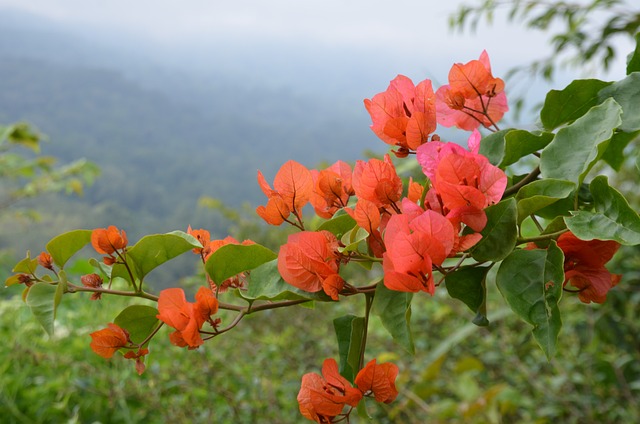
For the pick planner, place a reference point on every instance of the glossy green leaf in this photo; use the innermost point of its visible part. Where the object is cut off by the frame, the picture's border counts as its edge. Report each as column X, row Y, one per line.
column 500, row 234
column 394, row 310
column 154, row 250
column 138, row 320
column 492, row 146
column 63, row 247
column 627, row 94
column 520, row 143
column 531, row 283
column 41, row 300
column 613, row 218
column 232, row 259
column 338, row 225
column 469, row 286
column 615, row 155
column 540, row 194
column 349, row 331
column 267, row 284
column 565, row 106
column 577, row 147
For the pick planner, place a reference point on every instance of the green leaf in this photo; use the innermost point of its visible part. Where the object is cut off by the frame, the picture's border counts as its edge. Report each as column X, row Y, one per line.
column 493, row 146
column 633, row 62
column 531, row 283
column 139, row 321
column 520, row 143
column 232, row 259
column 63, row 247
column 154, row 250
column 565, row 106
column 26, row 265
column 577, row 147
column 614, row 155
column 500, row 234
column 41, row 298
column 267, row 284
column 349, row 331
column 338, row 225
column 394, row 310
column 469, row 286
column 613, row 218
column 61, row 288
column 352, row 239
column 627, row 94
column 540, row 194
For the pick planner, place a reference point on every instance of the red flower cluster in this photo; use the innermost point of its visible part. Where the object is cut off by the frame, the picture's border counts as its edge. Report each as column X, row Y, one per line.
column 108, row 241
column 186, row 317
column 584, row 268
column 322, row 398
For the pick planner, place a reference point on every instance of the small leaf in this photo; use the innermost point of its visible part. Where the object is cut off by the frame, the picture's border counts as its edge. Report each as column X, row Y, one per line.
column 540, row 194
column 469, row 286
column 63, row 247
column 500, row 234
column 338, row 225
column 633, row 62
column 154, row 250
column 531, row 283
column 577, row 147
column 61, row 289
column 26, row 265
column 138, row 320
column 394, row 310
column 349, row 331
column 613, row 218
column 565, row 106
column 232, row 259
column 352, row 238
column 41, row 300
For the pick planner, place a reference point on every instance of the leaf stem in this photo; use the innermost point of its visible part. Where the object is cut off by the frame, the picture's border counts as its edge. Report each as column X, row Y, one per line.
column 526, row 180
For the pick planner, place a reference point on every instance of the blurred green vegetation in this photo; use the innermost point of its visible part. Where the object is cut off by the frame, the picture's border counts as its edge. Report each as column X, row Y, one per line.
column 460, row 374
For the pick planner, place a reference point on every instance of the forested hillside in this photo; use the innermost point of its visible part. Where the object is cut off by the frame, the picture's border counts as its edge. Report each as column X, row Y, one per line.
column 162, row 136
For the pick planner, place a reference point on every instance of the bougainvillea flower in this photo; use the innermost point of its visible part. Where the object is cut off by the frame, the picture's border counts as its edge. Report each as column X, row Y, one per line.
column 332, row 189
column 203, row 237
column 107, row 341
column 404, row 115
column 323, row 397
column 584, row 266
column 366, row 214
column 292, row 189
column 413, row 246
column 92, row 281
column 379, row 380
column 186, row 317
column 377, row 181
column 107, row 240
column 45, row 260
column 308, row 258
column 138, row 357
column 473, row 96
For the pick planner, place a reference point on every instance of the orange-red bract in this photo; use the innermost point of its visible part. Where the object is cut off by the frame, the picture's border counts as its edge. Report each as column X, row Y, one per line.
column 473, row 96
column 107, row 240
column 203, row 237
column 45, row 260
column 308, row 258
column 378, row 379
column 584, row 268
column 377, row 181
column 332, row 189
column 292, row 189
column 107, row 341
column 321, row 398
column 186, row 317
column 404, row 115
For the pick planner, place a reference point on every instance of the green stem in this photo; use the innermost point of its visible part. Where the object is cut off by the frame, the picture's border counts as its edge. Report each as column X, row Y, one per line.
column 526, row 180
column 543, row 237
column 368, row 303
